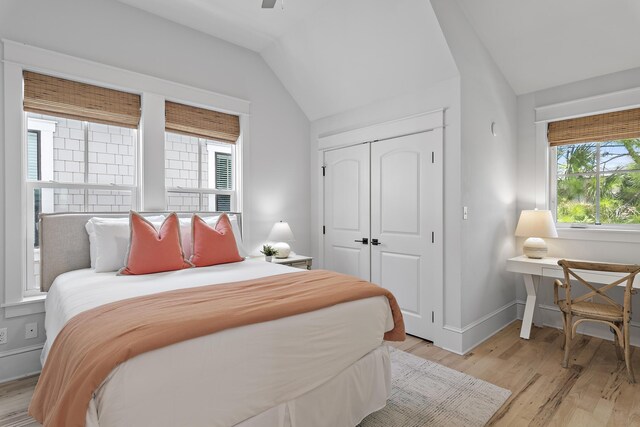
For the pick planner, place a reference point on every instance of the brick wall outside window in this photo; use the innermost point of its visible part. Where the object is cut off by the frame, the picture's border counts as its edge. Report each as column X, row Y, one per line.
column 111, row 159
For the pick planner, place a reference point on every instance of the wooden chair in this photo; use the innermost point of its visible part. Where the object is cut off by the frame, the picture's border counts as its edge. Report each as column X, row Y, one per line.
column 612, row 314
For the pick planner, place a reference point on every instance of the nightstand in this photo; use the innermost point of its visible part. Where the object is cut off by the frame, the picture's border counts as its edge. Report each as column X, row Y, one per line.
column 297, row 261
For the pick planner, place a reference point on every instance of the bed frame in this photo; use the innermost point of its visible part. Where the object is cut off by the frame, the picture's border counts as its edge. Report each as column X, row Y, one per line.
column 64, row 242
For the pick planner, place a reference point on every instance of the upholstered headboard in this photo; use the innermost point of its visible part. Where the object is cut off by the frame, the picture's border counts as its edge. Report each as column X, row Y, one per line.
column 64, row 242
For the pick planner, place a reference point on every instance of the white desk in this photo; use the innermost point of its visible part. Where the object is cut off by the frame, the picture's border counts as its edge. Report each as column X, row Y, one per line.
column 534, row 269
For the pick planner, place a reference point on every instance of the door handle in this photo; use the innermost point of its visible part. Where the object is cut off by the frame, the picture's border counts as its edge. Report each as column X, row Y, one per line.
column 364, row 241
column 375, row 242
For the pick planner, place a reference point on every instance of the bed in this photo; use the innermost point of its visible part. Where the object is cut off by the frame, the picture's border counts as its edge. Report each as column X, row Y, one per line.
column 326, row 367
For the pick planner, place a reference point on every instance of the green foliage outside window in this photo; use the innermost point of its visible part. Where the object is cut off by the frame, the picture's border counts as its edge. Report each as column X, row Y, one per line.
column 599, row 182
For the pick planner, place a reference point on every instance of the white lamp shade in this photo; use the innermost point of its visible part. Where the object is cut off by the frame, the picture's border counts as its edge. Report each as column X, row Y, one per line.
column 535, row 223
column 281, row 232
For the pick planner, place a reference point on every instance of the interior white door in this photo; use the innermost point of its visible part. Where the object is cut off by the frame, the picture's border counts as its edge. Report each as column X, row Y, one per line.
column 346, row 211
column 406, row 224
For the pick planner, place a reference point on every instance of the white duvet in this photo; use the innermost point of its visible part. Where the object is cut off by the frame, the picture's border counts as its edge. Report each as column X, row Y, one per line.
column 224, row 378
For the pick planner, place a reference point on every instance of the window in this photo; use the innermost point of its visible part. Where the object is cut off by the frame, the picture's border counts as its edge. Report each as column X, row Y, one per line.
column 598, row 183
column 199, row 174
column 595, row 169
column 76, row 166
column 76, row 147
column 81, row 144
column 200, row 156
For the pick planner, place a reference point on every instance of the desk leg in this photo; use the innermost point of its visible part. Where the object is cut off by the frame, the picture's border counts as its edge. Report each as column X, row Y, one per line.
column 531, row 284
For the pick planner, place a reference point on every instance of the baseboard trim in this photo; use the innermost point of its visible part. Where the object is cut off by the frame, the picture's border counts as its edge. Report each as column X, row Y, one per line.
column 21, row 350
column 550, row 316
column 20, row 362
column 462, row 340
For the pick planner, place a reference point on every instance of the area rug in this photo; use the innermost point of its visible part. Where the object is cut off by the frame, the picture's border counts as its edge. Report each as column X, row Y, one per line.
column 425, row 393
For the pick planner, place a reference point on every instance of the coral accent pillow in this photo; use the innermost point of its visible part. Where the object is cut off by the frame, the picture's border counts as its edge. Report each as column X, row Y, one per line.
column 152, row 251
column 213, row 245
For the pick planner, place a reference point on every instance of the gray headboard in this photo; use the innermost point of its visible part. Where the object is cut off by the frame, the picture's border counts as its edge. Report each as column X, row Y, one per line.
column 64, row 242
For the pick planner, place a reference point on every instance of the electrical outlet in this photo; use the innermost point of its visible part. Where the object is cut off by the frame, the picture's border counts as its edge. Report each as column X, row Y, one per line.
column 31, row 330
column 3, row 336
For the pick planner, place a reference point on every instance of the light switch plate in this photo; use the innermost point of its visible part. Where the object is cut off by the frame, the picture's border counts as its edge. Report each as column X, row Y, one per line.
column 3, row 336
column 465, row 212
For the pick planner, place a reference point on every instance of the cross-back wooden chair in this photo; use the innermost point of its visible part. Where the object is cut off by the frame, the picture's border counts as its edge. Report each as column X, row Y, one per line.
column 612, row 314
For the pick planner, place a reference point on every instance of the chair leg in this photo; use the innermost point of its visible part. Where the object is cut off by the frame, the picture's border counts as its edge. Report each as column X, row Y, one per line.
column 617, row 343
column 564, row 329
column 627, row 353
column 567, row 340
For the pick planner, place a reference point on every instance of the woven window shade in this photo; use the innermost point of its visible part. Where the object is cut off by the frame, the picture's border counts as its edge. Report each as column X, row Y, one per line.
column 201, row 123
column 601, row 127
column 65, row 98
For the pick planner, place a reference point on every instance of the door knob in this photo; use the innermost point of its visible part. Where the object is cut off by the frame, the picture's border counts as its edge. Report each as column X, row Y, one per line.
column 364, row 241
column 375, row 242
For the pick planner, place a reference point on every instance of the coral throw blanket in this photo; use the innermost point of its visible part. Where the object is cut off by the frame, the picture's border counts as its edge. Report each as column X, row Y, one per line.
column 94, row 342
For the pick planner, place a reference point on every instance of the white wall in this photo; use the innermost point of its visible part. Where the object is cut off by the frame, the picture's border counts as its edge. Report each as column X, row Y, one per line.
column 115, row 34
column 488, row 183
column 531, row 193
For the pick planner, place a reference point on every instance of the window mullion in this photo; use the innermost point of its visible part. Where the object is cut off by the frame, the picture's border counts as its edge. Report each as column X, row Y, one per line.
column 200, row 195
column 85, row 126
column 554, row 183
column 598, row 159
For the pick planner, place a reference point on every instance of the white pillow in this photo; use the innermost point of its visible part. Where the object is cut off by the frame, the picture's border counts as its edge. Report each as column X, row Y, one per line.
column 185, row 232
column 109, row 241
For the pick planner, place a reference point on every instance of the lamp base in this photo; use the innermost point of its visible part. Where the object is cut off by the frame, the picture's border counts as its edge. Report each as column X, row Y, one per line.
column 535, row 247
column 283, row 250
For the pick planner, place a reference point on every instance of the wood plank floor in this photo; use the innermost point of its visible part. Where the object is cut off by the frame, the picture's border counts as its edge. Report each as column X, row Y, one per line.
column 593, row 392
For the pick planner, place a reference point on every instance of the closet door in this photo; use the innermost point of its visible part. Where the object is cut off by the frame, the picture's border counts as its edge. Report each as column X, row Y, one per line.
column 346, row 211
column 406, row 224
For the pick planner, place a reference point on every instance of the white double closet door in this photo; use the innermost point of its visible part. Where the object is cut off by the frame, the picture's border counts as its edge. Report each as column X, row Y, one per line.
column 383, row 220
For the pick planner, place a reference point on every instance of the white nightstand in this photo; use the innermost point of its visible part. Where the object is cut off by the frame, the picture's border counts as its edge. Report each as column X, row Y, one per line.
column 297, row 261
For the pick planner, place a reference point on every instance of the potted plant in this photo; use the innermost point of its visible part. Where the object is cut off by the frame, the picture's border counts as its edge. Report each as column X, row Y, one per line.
column 269, row 252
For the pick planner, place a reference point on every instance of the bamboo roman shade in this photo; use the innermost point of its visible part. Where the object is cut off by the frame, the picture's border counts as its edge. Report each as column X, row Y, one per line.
column 201, row 122
column 601, row 127
column 65, row 98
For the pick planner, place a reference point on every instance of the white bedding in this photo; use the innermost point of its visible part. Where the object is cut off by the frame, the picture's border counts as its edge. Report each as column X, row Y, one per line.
column 224, row 378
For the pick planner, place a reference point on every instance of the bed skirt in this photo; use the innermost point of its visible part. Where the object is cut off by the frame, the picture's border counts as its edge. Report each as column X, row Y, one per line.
column 344, row 400
column 359, row 390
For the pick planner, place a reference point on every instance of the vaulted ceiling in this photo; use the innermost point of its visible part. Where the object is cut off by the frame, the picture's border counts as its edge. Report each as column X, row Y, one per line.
column 242, row 22
column 331, row 55
column 334, row 56
column 540, row 44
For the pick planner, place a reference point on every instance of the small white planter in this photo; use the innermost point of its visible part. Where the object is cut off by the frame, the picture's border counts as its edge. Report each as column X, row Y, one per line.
column 268, row 258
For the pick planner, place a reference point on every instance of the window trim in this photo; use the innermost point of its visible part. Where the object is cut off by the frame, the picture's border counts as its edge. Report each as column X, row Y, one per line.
column 152, row 194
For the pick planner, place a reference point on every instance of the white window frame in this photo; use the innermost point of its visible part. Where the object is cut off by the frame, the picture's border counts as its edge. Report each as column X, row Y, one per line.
column 151, row 185
column 236, row 151
column 48, row 182
column 545, row 171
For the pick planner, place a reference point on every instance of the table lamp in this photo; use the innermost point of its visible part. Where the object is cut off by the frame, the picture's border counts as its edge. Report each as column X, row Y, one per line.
column 281, row 233
column 535, row 225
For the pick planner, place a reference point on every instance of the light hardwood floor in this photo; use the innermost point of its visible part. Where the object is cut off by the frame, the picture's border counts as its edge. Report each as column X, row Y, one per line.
column 593, row 392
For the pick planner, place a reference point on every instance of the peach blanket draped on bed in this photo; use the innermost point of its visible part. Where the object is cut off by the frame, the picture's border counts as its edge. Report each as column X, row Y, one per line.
column 94, row 342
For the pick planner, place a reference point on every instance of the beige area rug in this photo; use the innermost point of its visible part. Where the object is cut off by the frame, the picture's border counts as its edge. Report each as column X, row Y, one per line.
column 425, row 393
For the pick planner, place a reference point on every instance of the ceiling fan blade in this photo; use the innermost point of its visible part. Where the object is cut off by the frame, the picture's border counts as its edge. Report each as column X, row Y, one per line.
column 268, row 4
